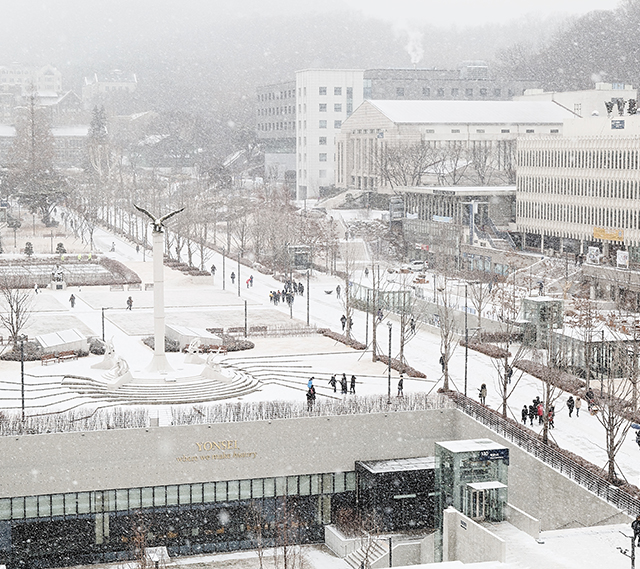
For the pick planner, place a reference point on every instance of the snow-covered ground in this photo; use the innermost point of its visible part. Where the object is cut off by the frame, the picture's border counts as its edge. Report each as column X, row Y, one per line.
column 202, row 300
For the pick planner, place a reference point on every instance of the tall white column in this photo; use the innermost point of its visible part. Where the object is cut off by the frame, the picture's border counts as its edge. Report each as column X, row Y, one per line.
column 159, row 362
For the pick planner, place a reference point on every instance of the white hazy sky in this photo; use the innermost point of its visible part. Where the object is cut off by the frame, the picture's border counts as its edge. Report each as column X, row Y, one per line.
column 438, row 12
column 472, row 12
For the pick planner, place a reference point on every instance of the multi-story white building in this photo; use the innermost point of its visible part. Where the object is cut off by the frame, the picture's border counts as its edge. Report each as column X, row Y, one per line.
column 582, row 189
column 44, row 80
column 108, row 89
column 411, row 143
column 324, row 99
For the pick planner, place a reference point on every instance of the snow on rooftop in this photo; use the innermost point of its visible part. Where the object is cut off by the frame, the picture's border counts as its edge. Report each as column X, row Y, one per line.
column 489, row 112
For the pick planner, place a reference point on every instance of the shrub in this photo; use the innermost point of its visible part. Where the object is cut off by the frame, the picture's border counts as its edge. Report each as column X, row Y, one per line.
column 96, row 346
column 169, row 344
column 60, row 250
column 28, row 249
column 351, row 342
column 32, row 352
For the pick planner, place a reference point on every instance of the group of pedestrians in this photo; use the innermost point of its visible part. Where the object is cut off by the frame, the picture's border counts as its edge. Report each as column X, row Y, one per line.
column 293, row 287
column 345, row 386
column 344, row 321
column 536, row 409
column 275, row 296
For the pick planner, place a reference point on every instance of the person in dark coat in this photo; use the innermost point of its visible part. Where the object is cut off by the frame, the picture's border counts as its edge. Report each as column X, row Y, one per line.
column 353, row 385
column 635, row 526
column 401, row 386
column 338, row 291
column 333, row 383
column 532, row 414
column 129, row 303
column 483, row 393
column 524, row 413
column 311, row 398
column 233, row 277
column 570, row 405
column 343, row 321
column 343, row 384
column 72, row 300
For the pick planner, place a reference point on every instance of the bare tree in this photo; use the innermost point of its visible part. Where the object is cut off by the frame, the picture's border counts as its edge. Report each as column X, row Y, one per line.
column 346, row 298
column 405, row 164
column 16, row 297
column 446, row 323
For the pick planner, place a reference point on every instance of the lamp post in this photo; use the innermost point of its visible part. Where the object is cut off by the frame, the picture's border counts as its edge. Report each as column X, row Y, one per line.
column 103, row 309
column 224, row 279
column 389, row 368
column 22, row 373
column 308, row 272
column 466, row 338
column 238, row 277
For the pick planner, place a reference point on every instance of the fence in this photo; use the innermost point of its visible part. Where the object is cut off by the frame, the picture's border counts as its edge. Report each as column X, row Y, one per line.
column 601, row 487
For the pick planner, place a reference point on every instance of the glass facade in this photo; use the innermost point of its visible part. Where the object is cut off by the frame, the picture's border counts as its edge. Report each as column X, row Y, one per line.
column 86, row 527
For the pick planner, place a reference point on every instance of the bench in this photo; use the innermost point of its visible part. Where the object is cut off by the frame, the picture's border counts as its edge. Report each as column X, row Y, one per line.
column 148, row 286
column 212, row 348
column 135, row 286
column 258, row 330
column 71, row 355
column 117, row 287
column 216, row 331
column 47, row 359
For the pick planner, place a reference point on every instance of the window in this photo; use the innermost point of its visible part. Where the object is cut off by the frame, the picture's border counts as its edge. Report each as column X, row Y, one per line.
column 426, row 92
column 480, row 130
column 337, row 124
column 554, row 131
column 337, row 91
column 322, row 140
column 530, row 131
column 323, row 107
column 483, row 92
column 337, row 107
column 497, row 92
column 454, row 92
column 399, row 91
column 322, row 173
column 468, row 92
column 430, row 131
column 322, row 124
column 322, row 90
column 322, row 157
column 577, row 108
column 505, row 131
column 440, row 92
column 455, row 131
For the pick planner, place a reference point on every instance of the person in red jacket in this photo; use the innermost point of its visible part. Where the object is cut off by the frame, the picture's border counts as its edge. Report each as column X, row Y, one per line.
column 540, row 414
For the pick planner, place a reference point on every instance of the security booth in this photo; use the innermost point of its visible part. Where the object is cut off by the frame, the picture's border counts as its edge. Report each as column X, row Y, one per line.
column 398, row 493
column 471, row 476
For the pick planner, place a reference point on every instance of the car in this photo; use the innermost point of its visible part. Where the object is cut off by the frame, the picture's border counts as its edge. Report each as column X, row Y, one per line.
column 417, row 266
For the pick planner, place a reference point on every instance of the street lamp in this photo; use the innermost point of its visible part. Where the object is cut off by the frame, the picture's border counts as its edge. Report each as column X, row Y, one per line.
column 224, row 279
column 103, row 309
column 22, row 372
column 389, row 369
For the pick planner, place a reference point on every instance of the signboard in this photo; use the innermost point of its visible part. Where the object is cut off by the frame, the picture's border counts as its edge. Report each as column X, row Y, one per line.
column 593, row 256
column 617, row 124
column 494, row 454
column 623, row 259
column 608, row 234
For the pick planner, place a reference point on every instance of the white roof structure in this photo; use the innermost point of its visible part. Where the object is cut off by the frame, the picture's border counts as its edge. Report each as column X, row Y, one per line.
column 475, row 112
column 70, row 339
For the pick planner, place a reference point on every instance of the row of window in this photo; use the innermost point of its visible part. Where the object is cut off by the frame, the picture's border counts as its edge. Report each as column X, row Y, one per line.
column 337, row 91
column 269, row 126
column 288, row 109
column 132, row 499
column 287, row 94
column 591, row 159
column 589, row 216
column 581, row 187
column 302, row 174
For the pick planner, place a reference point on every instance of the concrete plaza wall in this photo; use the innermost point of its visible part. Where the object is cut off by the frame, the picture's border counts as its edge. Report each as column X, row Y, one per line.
column 154, row 456
column 465, row 540
column 523, row 521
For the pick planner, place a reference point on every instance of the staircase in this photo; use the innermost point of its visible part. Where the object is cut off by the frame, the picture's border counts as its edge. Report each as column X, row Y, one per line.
column 369, row 553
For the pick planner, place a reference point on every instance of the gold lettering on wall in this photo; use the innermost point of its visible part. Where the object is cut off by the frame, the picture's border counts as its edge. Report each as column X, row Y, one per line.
column 228, row 450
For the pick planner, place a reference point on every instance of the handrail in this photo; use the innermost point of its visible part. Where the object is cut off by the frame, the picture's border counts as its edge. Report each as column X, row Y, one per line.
column 601, row 487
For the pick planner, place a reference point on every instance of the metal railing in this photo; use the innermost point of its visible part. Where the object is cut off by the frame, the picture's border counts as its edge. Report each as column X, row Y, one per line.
column 599, row 485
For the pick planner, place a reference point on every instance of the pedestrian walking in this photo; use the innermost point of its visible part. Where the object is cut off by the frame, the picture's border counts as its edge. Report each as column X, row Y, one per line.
column 366, row 272
column 248, row 281
column 551, row 417
column 350, row 324
column 353, row 385
column 380, row 315
column 401, row 386
column 483, row 393
column 72, row 301
column 310, row 382
column 343, row 384
column 213, row 270
column 442, row 363
column 129, row 303
column 578, row 405
column 137, row 248
column 412, row 324
column 635, row 526
column 525, row 414
column 311, row 398
column 333, row 383
column 570, row 405
column 508, row 373
column 233, row 277
column 343, row 321
column 338, row 291
column 590, row 397
column 251, row 280
column 532, row 414
column 540, row 411
column 35, row 288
